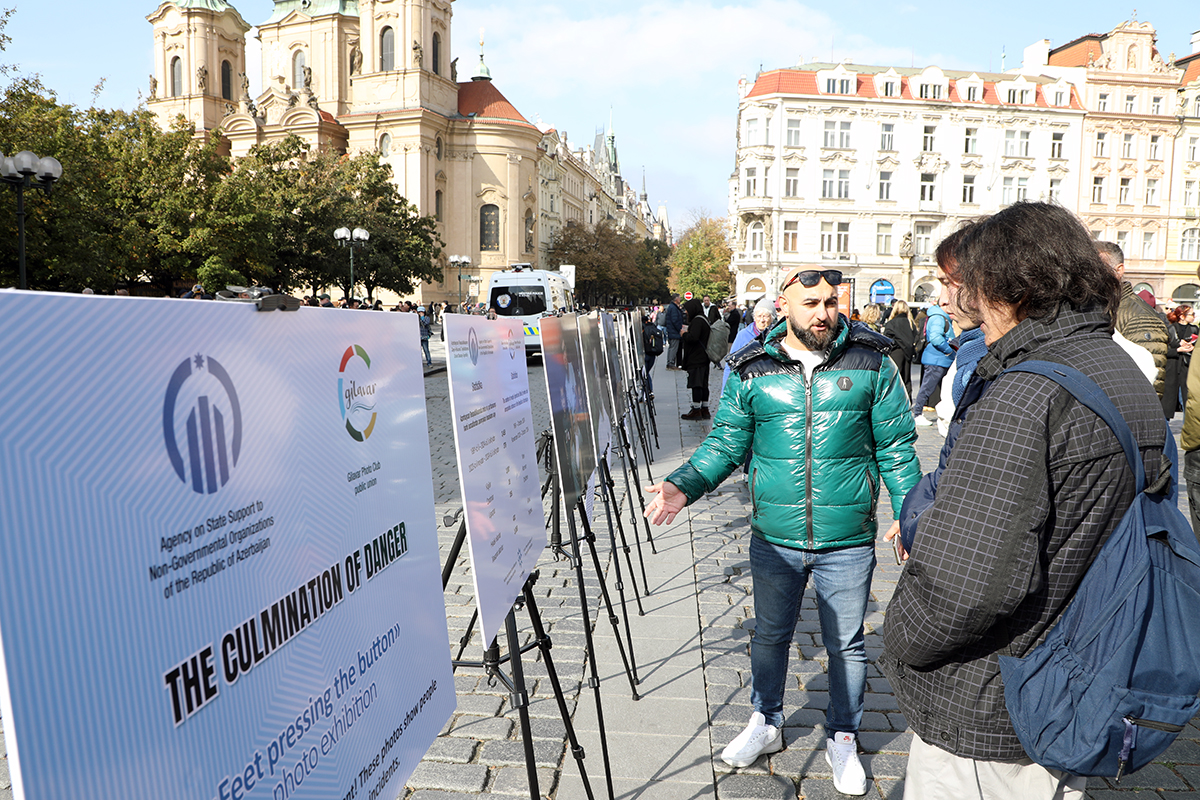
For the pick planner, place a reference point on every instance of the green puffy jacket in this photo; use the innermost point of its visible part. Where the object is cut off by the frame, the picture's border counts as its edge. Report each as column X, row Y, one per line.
column 844, row 429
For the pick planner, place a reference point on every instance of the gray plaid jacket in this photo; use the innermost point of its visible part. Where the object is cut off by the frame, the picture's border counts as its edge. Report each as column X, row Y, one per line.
column 1033, row 487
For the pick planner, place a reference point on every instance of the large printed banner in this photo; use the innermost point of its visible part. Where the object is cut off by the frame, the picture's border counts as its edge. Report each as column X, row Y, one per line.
column 497, row 459
column 219, row 574
column 575, row 453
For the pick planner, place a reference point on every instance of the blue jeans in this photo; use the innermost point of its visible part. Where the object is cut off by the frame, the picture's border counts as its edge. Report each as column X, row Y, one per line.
column 842, row 579
column 650, row 373
column 425, row 350
column 933, row 376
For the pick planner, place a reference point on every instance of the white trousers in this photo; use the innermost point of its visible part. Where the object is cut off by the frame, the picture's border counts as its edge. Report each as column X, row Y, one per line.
column 934, row 774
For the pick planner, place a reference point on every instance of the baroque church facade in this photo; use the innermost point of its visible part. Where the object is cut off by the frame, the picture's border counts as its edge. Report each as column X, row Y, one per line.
column 369, row 75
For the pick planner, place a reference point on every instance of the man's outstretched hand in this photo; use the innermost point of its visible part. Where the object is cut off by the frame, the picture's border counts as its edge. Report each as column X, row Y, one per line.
column 668, row 501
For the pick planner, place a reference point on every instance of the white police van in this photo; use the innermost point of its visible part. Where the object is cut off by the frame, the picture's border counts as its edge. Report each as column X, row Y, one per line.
column 528, row 294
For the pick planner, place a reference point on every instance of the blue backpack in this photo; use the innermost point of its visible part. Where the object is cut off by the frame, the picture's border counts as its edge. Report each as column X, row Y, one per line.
column 1117, row 678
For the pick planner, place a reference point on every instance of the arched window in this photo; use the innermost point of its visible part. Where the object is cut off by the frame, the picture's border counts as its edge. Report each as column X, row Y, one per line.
column 387, row 50
column 226, row 80
column 1189, row 245
column 437, row 205
column 385, row 145
column 176, row 77
column 489, row 227
column 437, row 148
column 756, row 238
column 437, row 54
column 298, row 69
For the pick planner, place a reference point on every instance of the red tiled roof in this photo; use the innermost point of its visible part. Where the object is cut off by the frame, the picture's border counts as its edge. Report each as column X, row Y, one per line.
column 484, row 100
column 1191, row 65
column 1077, row 53
column 804, row 82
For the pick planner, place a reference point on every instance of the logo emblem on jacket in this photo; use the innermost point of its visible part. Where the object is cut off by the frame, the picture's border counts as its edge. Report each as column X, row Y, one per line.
column 845, row 384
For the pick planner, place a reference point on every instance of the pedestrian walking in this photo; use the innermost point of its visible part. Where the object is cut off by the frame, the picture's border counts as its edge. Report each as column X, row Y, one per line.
column 672, row 323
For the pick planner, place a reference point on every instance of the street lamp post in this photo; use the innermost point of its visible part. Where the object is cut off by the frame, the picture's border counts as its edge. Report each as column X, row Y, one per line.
column 460, row 263
column 18, row 172
column 352, row 239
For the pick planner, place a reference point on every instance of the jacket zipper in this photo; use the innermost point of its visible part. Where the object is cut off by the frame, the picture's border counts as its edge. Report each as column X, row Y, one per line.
column 808, row 457
column 753, row 499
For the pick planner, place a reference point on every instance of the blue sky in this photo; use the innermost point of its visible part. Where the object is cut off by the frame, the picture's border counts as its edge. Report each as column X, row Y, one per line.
column 667, row 69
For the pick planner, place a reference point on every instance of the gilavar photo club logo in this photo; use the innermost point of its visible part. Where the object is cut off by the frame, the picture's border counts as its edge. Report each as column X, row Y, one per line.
column 202, row 424
column 356, row 393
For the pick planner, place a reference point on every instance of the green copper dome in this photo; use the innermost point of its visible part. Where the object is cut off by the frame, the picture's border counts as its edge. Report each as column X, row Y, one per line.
column 210, row 5
column 312, row 8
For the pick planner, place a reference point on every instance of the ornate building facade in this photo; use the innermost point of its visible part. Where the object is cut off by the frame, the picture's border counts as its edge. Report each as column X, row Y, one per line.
column 363, row 75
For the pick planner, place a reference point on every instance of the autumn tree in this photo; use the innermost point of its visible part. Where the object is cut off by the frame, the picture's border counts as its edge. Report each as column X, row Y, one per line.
column 700, row 261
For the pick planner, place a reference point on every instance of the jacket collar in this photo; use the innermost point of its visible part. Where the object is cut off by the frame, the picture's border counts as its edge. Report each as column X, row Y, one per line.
column 773, row 341
column 1031, row 335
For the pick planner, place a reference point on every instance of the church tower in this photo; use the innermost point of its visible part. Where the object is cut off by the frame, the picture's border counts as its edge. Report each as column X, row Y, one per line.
column 199, row 61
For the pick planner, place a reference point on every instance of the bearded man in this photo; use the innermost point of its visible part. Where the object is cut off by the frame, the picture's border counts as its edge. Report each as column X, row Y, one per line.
column 822, row 406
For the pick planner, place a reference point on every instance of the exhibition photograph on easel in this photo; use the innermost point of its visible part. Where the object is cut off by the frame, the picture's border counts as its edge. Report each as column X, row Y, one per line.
column 200, row 602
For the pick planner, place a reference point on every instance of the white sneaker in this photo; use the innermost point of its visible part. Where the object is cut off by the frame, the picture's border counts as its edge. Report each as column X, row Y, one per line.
column 758, row 738
column 842, row 754
column 921, row 422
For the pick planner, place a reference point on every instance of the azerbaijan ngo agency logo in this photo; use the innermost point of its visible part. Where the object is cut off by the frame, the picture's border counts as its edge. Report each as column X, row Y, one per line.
column 356, row 393
column 473, row 347
column 202, row 424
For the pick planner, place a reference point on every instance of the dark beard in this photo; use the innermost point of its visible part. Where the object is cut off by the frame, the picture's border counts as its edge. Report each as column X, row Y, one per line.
column 815, row 342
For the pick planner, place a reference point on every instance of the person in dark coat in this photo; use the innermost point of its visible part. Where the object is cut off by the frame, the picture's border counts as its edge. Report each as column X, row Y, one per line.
column 901, row 330
column 733, row 318
column 1179, row 355
column 695, row 357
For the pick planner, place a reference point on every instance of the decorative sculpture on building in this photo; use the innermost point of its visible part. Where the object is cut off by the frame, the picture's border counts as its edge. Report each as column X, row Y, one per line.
column 201, row 78
column 356, row 58
column 906, row 246
column 153, row 87
column 454, row 70
column 418, row 51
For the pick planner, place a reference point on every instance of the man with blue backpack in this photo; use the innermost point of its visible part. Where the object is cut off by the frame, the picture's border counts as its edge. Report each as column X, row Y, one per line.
column 1035, row 486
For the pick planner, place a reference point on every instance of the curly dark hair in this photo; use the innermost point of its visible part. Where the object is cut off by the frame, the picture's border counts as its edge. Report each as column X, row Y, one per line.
column 1035, row 257
column 946, row 254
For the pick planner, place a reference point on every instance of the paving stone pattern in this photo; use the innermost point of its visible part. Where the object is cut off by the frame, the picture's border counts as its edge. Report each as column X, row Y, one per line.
column 691, row 652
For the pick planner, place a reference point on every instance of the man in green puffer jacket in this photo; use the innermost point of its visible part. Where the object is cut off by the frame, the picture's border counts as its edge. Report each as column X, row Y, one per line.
column 822, row 406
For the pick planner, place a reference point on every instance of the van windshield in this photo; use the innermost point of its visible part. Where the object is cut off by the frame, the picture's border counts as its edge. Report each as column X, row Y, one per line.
column 518, row 301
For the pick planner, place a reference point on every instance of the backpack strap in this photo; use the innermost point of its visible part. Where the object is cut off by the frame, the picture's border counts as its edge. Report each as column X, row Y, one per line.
column 1085, row 390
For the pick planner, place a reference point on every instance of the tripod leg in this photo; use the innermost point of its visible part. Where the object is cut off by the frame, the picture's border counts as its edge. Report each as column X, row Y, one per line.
column 544, row 644
column 466, row 638
column 611, row 492
column 637, row 481
column 594, row 680
column 633, row 521
column 519, row 699
column 630, row 667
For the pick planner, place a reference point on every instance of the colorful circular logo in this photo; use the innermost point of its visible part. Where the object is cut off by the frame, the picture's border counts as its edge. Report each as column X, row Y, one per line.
column 356, row 393
column 473, row 347
column 202, row 412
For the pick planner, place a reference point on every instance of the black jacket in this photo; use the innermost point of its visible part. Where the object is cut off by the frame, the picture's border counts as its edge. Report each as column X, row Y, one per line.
column 1034, row 486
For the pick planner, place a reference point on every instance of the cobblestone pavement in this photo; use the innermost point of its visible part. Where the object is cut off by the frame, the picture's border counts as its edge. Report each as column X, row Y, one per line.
column 690, row 653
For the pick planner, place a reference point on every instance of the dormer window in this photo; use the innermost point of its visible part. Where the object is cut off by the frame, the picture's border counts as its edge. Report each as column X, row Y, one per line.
column 931, row 91
column 891, row 89
column 837, row 86
column 972, row 94
column 1018, row 96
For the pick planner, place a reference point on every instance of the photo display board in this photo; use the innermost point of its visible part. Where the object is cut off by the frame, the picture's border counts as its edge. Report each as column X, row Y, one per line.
column 565, row 382
column 595, row 380
column 219, row 572
column 497, row 459
column 613, row 360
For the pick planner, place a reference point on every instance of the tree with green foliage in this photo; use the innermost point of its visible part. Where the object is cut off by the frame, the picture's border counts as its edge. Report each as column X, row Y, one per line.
column 612, row 266
column 700, row 261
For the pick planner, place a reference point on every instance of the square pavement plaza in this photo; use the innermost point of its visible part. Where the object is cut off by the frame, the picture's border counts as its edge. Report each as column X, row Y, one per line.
column 690, row 649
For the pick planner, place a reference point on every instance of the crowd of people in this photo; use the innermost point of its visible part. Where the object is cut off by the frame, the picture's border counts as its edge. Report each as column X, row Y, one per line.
column 819, row 410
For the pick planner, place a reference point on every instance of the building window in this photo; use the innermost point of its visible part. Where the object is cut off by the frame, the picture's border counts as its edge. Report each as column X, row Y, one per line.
column 226, row 80
column 1101, row 144
column 387, row 50
column 835, row 240
column 844, row 135
column 931, row 91
column 1130, row 101
column 1156, row 105
column 791, row 236
column 1056, row 145
column 972, row 94
column 437, row 148
column 1148, row 245
column 176, row 77
column 1122, row 241
column 435, row 55
column 828, row 190
column 843, row 240
column 830, row 139
column 791, row 182
column 837, row 86
column 1055, row 190
column 766, row 182
column 883, row 239
column 971, row 141
column 1006, row 192
column 766, row 131
column 1127, row 145
column 927, row 138
column 1016, row 143
column 890, row 89
column 437, row 205
column 1154, row 146
column 927, row 185
column 885, row 186
column 1123, row 191
column 1060, row 98
column 385, row 145
column 1102, row 102
column 1193, row 144
column 923, row 240
column 751, row 132
column 298, row 64
column 757, row 237
column 489, row 227
column 1189, row 245
column 1098, row 189
column 887, row 137
column 793, row 133
column 968, row 193
column 1152, row 191
column 843, row 187
column 1189, row 193
column 1022, row 189
column 1018, row 96
column 751, row 181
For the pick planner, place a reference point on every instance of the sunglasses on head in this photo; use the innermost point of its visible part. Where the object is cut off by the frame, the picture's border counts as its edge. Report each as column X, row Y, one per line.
column 811, row 277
